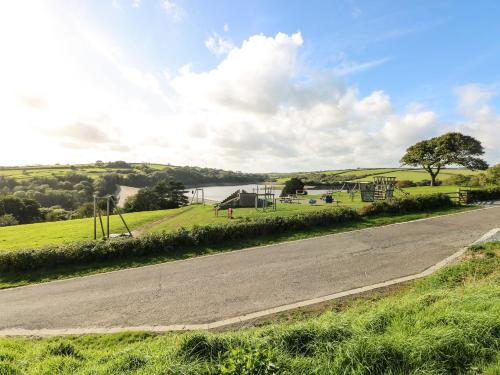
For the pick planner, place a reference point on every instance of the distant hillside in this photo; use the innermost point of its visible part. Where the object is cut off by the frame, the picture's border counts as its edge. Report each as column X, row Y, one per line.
column 61, row 192
column 134, row 174
column 366, row 174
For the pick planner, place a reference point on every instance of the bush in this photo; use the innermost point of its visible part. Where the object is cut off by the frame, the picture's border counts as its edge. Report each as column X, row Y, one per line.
column 8, row 219
column 405, row 184
column 408, row 204
column 483, row 195
column 167, row 242
column 247, row 360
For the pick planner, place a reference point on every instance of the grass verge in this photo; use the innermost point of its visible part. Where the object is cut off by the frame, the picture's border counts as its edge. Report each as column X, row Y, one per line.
column 446, row 323
column 13, row 279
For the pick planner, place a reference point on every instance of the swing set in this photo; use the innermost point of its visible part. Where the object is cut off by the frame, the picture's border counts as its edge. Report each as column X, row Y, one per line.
column 97, row 215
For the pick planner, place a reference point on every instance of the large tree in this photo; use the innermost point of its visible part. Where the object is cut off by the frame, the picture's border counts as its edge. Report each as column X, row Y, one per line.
column 448, row 149
column 163, row 195
column 292, row 186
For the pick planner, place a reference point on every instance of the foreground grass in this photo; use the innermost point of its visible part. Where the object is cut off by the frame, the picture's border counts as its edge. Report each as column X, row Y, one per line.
column 8, row 280
column 447, row 323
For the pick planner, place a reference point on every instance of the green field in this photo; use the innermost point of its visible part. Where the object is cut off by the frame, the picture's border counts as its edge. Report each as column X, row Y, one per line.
column 446, row 323
column 23, row 173
column 41, row 234
column 367, row 174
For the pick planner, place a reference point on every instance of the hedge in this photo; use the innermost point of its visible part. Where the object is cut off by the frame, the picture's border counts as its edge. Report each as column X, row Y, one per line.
column 165, row 243
column 78, row 253
column 408, row 204
column 483, row 194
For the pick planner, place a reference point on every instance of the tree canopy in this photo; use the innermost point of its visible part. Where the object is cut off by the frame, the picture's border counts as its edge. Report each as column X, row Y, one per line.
column 448, row 149
column 292, row 186
column 163, row 195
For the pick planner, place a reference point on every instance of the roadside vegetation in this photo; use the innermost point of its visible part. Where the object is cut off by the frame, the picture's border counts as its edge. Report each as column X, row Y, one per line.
column 446, row 323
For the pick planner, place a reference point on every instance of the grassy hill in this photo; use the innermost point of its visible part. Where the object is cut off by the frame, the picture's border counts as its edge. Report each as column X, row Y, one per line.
column 51, row 233
column 446, row 323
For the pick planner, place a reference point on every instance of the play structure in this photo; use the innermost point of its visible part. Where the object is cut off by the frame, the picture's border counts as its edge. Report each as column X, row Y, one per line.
column 260, row 198
column 198, row 196
column 382, row 188
column 265, row 198
column 97, row 215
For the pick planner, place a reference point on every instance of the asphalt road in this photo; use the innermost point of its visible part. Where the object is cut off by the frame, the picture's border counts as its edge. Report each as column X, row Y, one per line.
column 212, row 288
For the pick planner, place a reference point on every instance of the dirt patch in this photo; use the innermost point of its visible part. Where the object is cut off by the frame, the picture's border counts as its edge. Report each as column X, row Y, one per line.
column 140, row 231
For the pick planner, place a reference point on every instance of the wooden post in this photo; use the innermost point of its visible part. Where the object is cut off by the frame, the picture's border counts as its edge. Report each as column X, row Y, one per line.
column 102, row 226
column 95, row 218
column 121, row 217
column 107, row 214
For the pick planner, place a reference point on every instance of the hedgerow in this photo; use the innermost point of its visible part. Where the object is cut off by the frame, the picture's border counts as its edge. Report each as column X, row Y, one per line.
column 165, row 243
column 484, row 194
column 408, row 204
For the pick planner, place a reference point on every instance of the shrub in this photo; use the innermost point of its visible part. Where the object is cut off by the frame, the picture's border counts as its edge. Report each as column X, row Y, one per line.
column 483, row 194
column 248, row 360
column 408, row 204
column 405, row 184
column 8, row 219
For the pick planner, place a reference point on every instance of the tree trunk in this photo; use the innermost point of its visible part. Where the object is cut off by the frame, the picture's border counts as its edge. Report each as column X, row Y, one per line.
column 433, row 179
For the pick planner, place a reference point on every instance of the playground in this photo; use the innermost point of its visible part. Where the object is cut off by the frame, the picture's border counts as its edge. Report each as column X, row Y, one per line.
column 198, row 212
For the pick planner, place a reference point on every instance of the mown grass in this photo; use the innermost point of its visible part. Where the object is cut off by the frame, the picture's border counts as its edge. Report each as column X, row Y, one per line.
column 447, row 323
column 8, row 280
column 51, row 233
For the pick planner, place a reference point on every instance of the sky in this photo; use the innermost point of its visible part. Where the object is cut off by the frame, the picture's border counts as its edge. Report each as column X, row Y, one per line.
column 255, row 86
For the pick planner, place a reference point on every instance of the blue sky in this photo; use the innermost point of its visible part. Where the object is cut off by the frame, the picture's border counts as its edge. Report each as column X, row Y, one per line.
column 357, row 72
column 425, row 48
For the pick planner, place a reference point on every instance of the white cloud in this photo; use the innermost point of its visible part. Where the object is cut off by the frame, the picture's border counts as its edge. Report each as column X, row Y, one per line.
column 226, row 27
column 352, row 67
column 218, row 45
column 480, row 119
column 173, row 9
column 136, row 3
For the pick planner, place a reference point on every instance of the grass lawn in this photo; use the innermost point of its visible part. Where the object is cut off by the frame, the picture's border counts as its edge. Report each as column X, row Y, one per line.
column 446, row 323
column 8, row 280
column 203, row 215
column 50, row 233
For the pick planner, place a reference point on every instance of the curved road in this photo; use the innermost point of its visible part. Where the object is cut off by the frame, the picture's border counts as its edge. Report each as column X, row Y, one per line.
column 217, row 287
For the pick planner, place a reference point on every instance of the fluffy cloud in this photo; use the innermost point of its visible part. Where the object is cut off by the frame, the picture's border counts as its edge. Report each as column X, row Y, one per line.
column 265, row 110
column 218, row 45
column 480, row 119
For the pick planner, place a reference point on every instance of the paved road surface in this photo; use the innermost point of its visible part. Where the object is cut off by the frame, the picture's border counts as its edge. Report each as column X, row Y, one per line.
column 207, row 289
